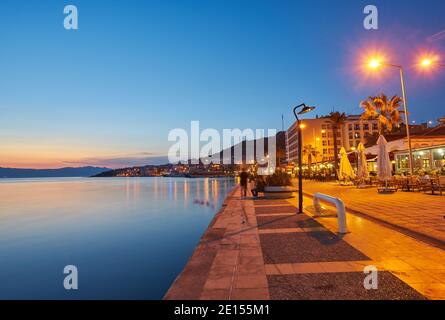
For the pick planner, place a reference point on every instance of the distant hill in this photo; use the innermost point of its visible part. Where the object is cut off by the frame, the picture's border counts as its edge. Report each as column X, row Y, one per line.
column 280, row 148
column 50, row 173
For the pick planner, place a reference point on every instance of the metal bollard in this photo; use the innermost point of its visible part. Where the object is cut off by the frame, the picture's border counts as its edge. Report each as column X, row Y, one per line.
column 341, row 210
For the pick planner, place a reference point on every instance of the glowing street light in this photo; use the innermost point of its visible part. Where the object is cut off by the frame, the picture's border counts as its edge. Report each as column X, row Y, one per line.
column 304, row 109
column 428, row 62
column 376, row 63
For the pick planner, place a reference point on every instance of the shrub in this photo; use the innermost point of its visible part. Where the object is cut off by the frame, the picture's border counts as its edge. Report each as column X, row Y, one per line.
column 278, row 179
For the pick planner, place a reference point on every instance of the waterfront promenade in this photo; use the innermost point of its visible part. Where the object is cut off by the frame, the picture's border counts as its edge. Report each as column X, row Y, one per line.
column 260, row 249
column 417, row 214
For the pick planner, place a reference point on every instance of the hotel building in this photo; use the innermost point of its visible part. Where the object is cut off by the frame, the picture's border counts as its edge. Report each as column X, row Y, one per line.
column 319, row 134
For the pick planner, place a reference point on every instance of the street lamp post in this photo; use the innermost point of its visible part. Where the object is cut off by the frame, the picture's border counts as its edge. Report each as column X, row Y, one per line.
column 305, row 109
column 406, row 120
column 375, row 64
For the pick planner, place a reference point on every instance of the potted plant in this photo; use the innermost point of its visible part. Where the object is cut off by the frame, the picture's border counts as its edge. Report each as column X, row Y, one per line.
column 278, row 186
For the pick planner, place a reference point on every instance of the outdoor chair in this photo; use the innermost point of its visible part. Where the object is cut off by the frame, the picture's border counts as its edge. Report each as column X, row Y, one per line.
column 400, row 182
column 413, row 183
column 404, row 183
column 388, row 186
column 437, row 185
column 441, row 184
column 424, row 184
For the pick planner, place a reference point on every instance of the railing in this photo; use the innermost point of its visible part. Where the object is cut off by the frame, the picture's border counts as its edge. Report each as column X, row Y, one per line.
column 341, row 211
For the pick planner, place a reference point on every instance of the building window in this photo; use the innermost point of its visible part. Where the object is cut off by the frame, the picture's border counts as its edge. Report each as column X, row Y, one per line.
column 375, row 126
column 357, row 127
column 357, row 135
column 350, row 127
column 350, row 135
column 366, row 126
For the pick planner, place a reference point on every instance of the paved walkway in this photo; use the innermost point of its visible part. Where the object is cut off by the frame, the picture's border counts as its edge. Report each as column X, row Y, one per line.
column 227, row 264
column 415, row 213
column 262, row 250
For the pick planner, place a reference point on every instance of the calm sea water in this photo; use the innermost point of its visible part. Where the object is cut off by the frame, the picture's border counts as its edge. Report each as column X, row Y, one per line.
column 128, row 237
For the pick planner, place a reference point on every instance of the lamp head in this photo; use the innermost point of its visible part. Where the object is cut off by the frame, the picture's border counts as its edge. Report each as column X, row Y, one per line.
column 306, row 109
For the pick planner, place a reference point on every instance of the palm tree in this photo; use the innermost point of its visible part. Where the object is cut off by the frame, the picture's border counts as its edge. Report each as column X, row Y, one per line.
column 386, row 111
column 337, row 120
column 311, row 153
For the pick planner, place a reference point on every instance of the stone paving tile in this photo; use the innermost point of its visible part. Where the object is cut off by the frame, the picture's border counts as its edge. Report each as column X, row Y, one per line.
column 435, row 291
column 317, row 267
column 228, row 257
column 218, row 283
column 290, row 230
column 215, row 295
column 294, row 221
column 276, row 215
column 251, row 281
column 262, row 202
column 338, row 286
column 250, row 294
column 307, row 247
column 275, row 209
column 417, row 276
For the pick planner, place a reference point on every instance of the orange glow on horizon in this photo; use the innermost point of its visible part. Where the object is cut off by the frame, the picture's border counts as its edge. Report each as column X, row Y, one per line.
column 52, row 156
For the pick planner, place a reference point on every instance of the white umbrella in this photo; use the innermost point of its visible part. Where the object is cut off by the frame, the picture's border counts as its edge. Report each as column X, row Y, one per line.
column 384, row 167
column 346, row 170
column 362, row 170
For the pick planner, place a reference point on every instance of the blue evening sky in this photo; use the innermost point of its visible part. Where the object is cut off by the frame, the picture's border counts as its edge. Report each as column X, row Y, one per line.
column 137, row 69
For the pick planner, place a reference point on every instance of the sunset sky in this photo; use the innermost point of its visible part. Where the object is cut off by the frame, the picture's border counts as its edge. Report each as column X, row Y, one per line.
column 109, row 93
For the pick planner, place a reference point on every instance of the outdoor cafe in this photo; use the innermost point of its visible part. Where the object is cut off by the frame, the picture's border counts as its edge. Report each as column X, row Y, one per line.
column 429, row 160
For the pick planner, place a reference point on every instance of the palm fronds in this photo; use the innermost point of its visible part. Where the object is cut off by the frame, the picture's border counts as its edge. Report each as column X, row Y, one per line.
column 385, row 110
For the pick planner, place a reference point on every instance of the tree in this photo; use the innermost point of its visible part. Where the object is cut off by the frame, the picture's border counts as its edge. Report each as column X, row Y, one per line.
column 337, row 120
column 310, row 152
column 385, row 111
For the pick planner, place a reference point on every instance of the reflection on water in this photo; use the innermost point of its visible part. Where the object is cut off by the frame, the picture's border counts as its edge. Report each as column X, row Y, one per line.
column 128, row 237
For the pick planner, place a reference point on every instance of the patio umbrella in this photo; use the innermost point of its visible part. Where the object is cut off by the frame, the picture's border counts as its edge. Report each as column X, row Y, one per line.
column 362, row 170
column 346, row 170
column 384, row 167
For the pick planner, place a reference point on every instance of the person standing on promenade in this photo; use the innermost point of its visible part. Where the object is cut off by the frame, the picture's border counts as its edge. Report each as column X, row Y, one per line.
column 243, row 182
